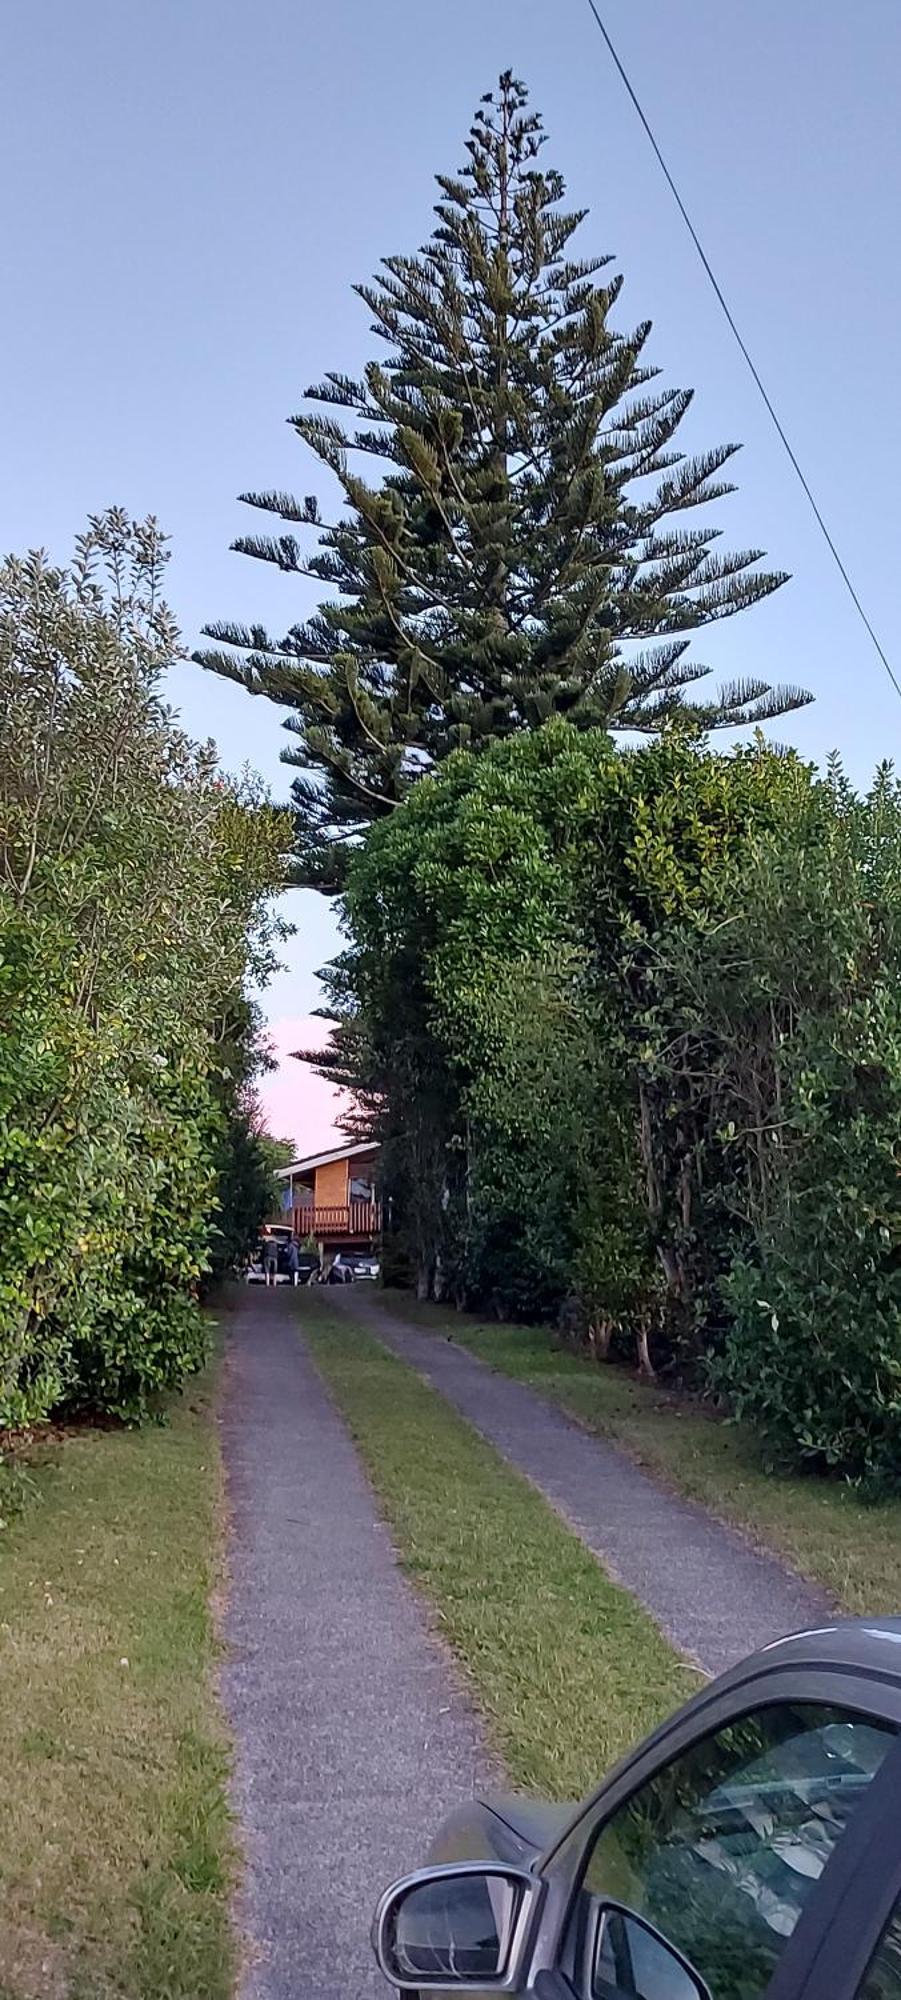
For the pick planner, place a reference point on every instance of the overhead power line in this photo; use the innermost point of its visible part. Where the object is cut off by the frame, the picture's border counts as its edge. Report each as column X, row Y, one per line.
column 748, row 357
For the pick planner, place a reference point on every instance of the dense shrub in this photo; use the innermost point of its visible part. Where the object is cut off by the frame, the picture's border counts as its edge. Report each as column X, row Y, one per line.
column 506, row 932
column 132, row 887
column 629, row 1024
column 813, row 1354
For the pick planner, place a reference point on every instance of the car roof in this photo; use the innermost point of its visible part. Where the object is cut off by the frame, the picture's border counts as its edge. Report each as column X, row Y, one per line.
column 872, row 1645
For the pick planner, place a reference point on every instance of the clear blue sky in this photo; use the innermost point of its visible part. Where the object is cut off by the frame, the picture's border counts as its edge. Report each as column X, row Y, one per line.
column 190, row 188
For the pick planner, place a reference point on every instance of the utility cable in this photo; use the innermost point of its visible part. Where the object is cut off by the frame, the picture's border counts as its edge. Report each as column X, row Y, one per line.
column 754, row 370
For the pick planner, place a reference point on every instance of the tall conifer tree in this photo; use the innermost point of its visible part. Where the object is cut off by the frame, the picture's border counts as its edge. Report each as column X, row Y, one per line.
column 520, row 549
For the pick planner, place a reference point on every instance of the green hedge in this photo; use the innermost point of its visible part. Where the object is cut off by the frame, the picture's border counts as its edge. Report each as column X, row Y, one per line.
column 132, row 887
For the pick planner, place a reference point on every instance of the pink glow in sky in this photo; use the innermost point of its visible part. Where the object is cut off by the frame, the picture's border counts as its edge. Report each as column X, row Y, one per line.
column 297, row 1103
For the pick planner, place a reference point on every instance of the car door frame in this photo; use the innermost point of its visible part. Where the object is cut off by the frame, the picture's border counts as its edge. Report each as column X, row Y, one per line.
column 866, row 1900
column 865, row 1692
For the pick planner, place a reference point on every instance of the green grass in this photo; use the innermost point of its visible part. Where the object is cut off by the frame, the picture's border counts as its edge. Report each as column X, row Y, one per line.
column 851, row 1548
column 115, row 1837
column 564, row 1665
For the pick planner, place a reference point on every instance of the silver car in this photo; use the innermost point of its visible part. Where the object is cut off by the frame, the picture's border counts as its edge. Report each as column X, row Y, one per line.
column 749, row 1850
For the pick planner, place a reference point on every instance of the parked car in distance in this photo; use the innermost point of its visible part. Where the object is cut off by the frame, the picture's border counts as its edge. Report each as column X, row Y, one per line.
column 360, row 1264
column 750, row 1847
column 340, row 1271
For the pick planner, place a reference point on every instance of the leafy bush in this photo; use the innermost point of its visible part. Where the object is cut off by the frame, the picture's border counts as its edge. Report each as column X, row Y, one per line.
column 500, row 1001
column 630, row 1025
column 814, row 1365
column 813, row 1356
column 132, row 887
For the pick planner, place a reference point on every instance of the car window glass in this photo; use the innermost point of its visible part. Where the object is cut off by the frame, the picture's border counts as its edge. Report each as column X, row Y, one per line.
column 721, row 1848
column 883, row 1978
column 631, row 1960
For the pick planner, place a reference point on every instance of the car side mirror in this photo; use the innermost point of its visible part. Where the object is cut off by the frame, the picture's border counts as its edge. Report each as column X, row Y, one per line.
column 459, row 1926
column 632, row 1961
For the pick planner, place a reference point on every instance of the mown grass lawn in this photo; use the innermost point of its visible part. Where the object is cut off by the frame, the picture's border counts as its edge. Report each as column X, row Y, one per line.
column 115, row 1837
column 851, row 1548
column 566, row 1668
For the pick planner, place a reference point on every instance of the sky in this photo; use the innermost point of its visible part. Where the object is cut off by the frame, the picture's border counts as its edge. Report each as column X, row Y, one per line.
column 189, row 190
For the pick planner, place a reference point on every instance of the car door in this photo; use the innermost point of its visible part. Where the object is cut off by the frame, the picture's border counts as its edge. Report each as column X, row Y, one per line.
column 723, row 1843
column 881, row 1979
column 858, row 1956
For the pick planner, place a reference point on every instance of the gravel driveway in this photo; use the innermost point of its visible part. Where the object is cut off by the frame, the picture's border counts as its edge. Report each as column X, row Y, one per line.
column 714, row 1596
column 353, row 1736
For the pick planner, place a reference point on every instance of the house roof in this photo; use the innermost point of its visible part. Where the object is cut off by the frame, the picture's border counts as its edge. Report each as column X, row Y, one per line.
column 322, row 1159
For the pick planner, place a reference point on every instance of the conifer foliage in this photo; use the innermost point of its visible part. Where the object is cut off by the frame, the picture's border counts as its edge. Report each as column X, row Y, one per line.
column 527, row 544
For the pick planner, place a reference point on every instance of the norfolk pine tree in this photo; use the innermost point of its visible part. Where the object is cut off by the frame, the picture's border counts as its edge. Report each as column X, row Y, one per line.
column 520, row 552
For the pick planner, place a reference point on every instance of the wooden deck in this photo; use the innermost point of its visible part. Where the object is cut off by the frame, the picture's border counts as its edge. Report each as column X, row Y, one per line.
column 356, row 1222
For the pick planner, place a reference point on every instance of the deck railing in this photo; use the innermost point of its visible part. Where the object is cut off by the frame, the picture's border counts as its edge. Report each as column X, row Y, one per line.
column 355, row 1218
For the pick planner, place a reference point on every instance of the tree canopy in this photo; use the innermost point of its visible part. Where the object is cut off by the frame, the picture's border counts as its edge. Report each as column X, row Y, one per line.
column 520, row 549
column 627, row 1024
